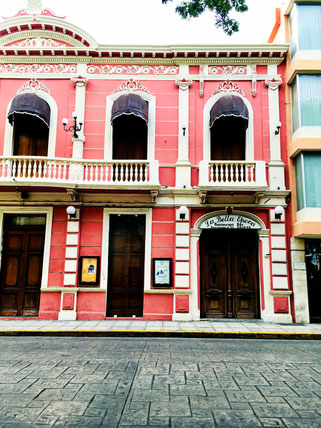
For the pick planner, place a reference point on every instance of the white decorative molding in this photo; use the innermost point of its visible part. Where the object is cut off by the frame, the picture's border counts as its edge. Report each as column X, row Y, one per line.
column 38, row 68
column 132, row 86
column 34, row 6
column 228, row 86
column 227, row 69
column 132, row 69
column 33, row 85
column 38, row 42
column 15, row 37
column 183, row 84
column 274, row 83
column 79, row 81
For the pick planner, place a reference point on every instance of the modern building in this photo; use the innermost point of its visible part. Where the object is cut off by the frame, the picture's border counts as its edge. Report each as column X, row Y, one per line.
column 167, row 198
column 303, row 100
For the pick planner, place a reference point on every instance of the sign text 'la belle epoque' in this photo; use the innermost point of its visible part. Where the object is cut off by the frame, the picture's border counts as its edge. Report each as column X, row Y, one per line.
column 233, row 221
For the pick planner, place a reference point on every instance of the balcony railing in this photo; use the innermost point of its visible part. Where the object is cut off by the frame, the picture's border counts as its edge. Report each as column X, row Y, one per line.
column 240, row 175
column 57, row 171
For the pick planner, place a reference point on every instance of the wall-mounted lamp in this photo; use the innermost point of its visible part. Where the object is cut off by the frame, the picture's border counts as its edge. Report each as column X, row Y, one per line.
column 278, row 212
column 278, row 126
column 184, row 127
column 76, row 127
column 71, row 211
column 182, row 212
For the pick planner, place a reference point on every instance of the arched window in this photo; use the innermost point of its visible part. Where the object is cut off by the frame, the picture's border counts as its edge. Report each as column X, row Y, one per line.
column 30, row 117
column 228, row 131
column 229, row 119
column 129, row 118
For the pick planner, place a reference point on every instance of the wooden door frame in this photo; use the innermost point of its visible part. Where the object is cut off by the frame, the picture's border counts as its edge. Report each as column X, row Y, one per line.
column 48, row 212
column 105, row 247
column 265, row 298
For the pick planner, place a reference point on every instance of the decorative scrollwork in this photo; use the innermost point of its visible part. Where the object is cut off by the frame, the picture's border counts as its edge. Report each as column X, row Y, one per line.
column 228, row 86
column 38, row 42
column 132, row 86
column 132, row 69
column 33, row 85
column 227, row 69
column 38, row 68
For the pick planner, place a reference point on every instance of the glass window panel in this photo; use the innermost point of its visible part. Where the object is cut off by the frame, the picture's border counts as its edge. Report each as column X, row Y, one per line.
column 310, row 100
column 20, row 220
column 312, row 174
column 299, row 183
column 309, row 26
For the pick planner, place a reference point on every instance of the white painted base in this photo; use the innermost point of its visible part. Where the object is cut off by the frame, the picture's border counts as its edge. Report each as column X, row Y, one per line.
column 278, row 318
column 182, row 317
column 183, row 175
column 65, row 315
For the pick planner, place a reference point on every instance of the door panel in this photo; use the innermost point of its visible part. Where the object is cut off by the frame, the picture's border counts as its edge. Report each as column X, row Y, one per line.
column 229, row 284
column 21, row 269
column 125, row 293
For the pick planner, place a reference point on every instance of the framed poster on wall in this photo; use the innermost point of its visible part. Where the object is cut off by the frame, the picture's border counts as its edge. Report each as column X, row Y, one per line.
column 162, row 272
column 89, row 270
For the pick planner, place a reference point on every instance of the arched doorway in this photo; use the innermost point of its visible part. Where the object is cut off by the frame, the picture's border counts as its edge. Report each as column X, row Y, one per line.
column 228, row 250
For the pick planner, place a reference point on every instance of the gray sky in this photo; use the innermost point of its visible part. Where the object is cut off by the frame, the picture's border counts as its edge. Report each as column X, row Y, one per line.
column 150, row 22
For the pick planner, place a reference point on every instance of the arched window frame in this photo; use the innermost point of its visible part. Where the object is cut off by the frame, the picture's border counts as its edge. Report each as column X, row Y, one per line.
column 249, row 135
column 150, row 126
column 8, row 137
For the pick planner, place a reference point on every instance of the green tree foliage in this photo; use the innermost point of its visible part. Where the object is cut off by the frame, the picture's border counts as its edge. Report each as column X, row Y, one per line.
column 221, row 9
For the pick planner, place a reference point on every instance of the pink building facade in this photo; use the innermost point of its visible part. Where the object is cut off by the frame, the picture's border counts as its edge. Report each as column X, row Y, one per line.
column 170, row 202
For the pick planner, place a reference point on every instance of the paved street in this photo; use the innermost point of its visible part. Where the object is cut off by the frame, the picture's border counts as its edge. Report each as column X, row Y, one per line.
column 111, row 382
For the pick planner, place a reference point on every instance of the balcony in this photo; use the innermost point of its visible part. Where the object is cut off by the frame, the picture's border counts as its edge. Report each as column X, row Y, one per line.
column 232, row 175
column 93, row 174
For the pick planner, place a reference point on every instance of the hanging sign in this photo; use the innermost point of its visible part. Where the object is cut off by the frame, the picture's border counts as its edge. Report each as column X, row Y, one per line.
column 229, row 221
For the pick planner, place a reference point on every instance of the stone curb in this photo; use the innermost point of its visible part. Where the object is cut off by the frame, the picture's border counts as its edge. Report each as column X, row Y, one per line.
column 165, row 333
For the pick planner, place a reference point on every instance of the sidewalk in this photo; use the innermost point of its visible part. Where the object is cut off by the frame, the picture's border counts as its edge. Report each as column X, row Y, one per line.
column 139, row 328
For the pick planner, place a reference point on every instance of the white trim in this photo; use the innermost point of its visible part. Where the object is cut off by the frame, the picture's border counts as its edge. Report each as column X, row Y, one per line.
column 105, row 244
column 108, row 149
column 8, row 135
column 249, row 135
column 46, row 252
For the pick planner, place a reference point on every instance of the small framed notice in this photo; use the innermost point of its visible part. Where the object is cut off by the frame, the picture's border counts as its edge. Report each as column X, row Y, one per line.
column 162, row 272
column 89, row 270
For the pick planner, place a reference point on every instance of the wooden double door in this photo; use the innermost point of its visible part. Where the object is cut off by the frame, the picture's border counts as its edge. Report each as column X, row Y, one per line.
column 21, row 265
column 125, row 293
column 229, row 274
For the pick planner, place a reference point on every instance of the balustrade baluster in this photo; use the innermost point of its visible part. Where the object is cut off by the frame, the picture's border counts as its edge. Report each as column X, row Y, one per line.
column 212, row 173
column 252, row 173
column 31, row 169
column 24, row 168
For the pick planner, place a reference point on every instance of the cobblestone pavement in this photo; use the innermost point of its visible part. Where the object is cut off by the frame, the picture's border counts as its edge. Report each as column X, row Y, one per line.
column 119, row 382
